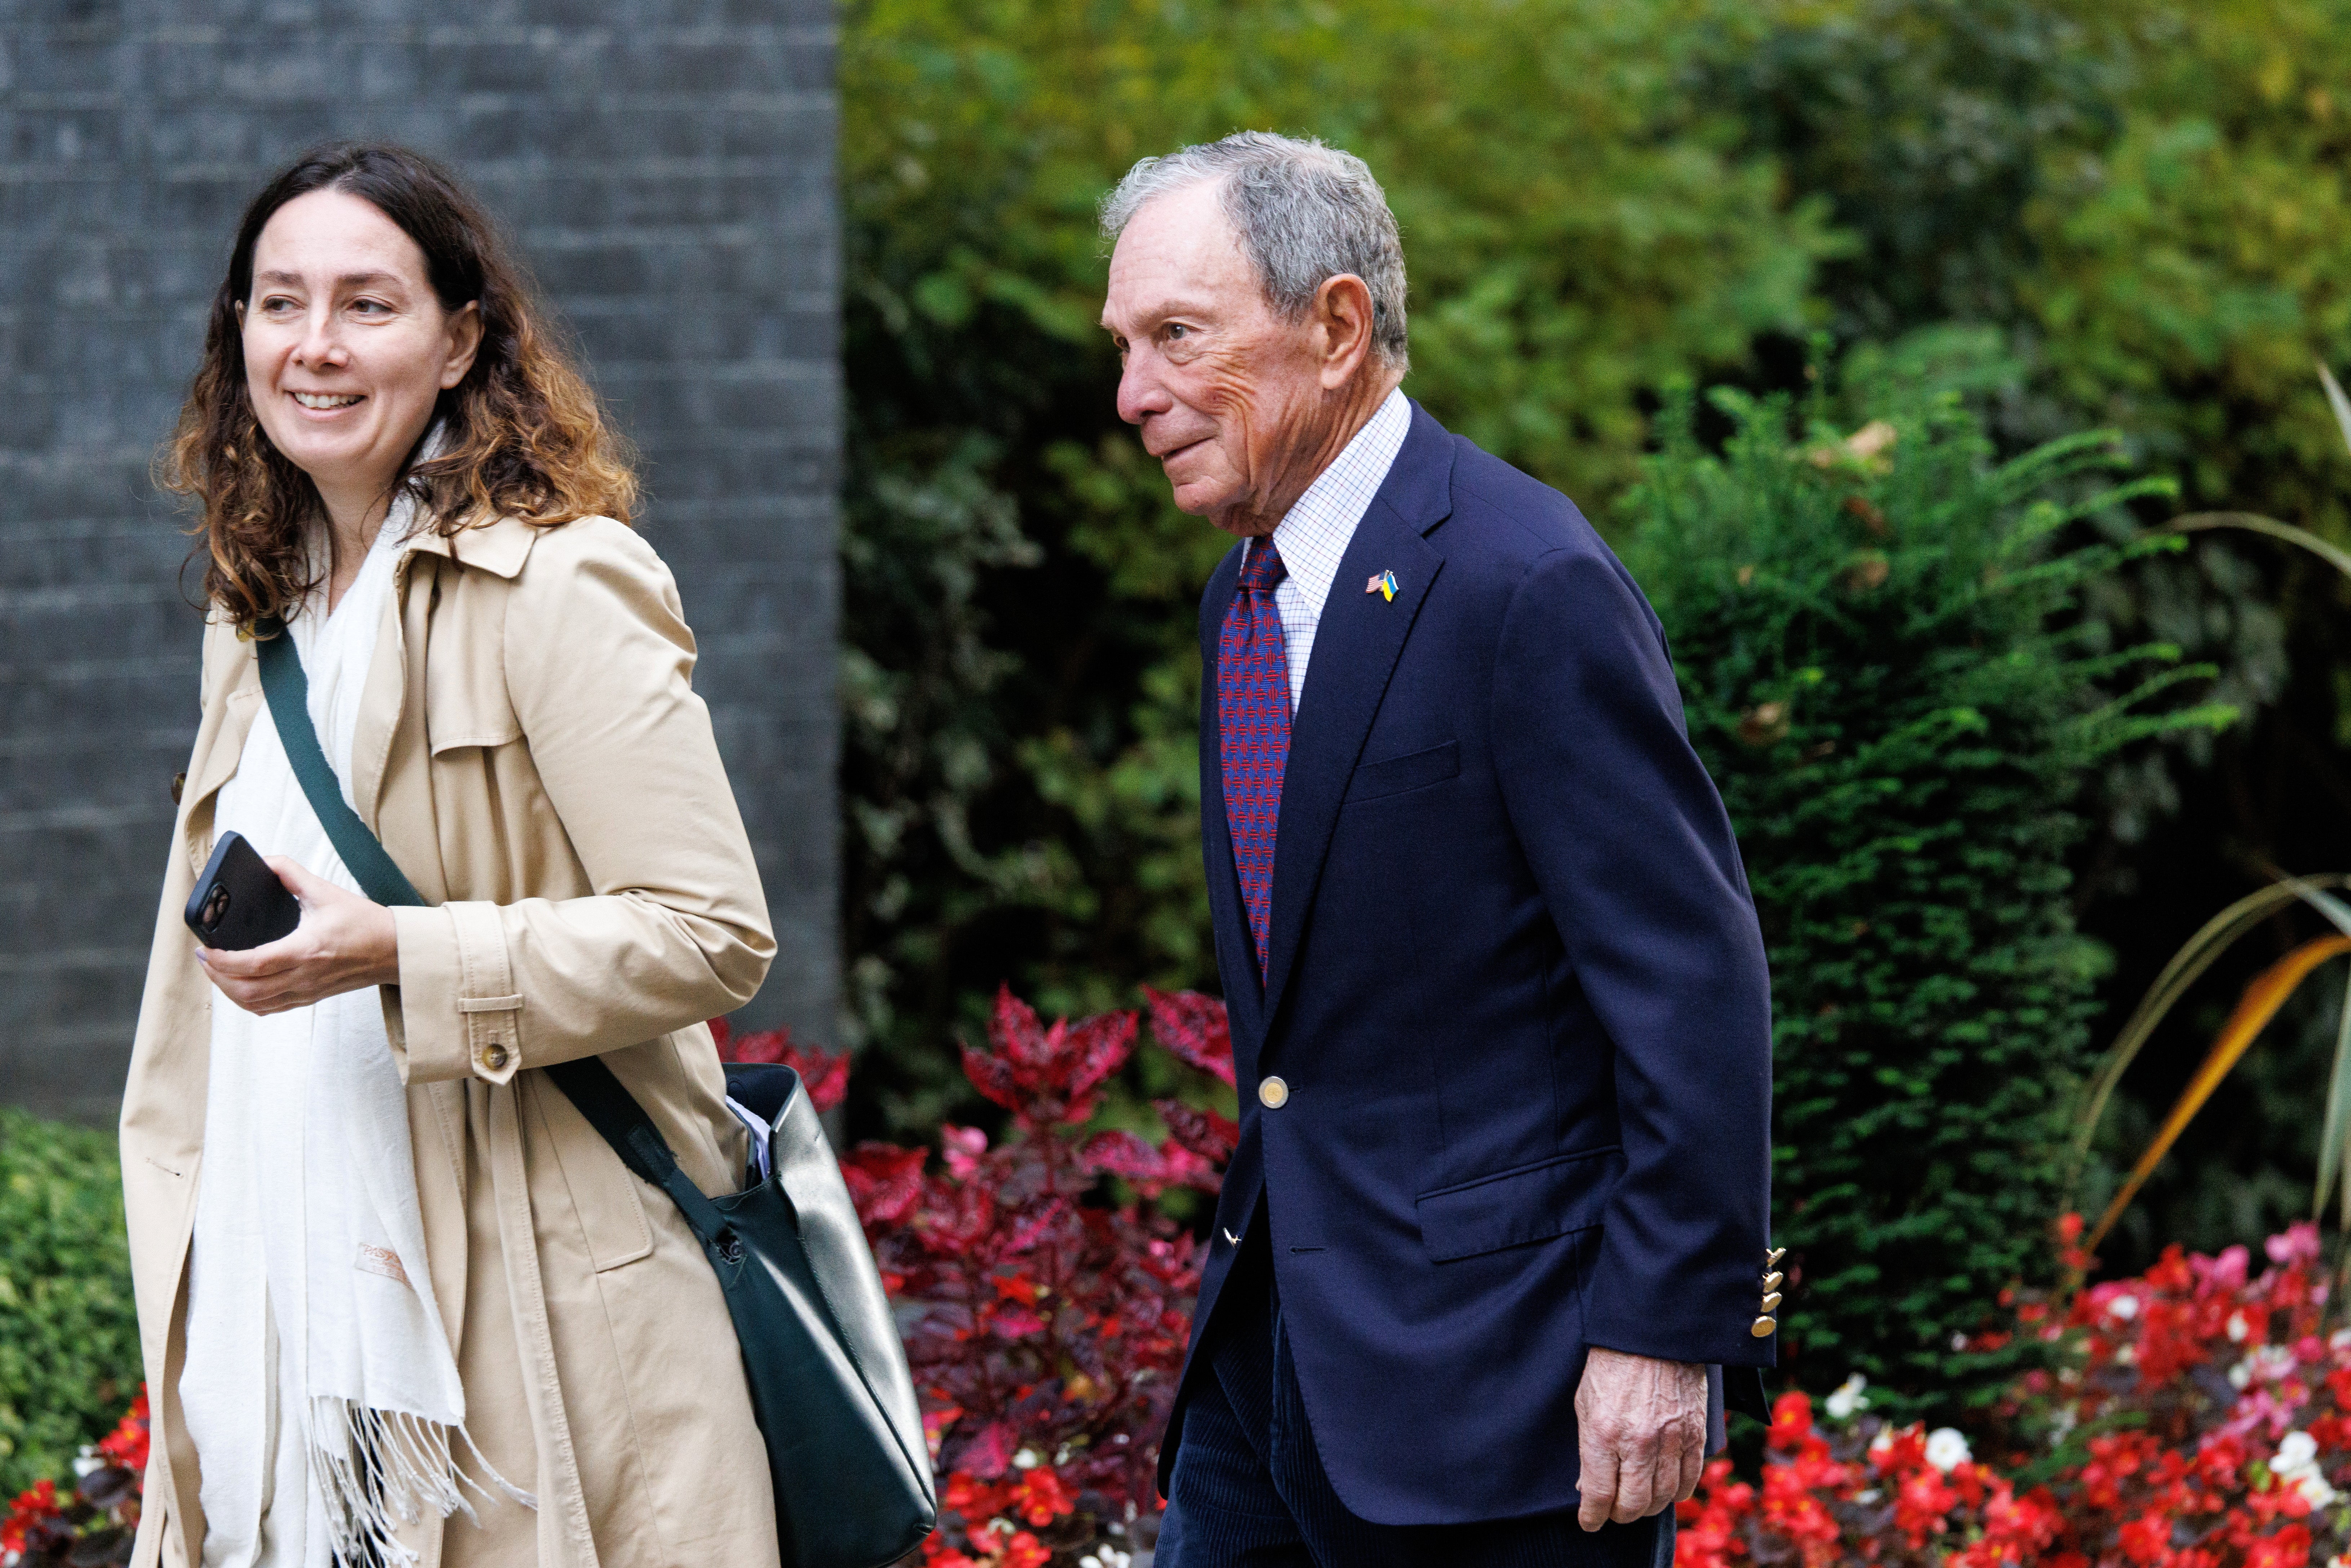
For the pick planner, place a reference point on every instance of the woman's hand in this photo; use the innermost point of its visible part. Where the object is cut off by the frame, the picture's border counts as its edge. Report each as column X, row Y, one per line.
column 344, row 944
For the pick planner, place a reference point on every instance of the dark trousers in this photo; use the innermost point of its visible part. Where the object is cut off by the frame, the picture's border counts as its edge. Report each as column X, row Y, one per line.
column 1250, row 1490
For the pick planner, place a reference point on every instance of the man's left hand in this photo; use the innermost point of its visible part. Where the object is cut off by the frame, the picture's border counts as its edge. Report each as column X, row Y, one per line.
column 1641, row 1426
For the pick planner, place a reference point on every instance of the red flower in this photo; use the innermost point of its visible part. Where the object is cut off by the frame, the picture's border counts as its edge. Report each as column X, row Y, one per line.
column 2146, row 1539
column 31, row 1508
column 1023, row 1552
column 127, row 1445
column 2289, row 1548
column 1040, row 1497
column 1791, row 1419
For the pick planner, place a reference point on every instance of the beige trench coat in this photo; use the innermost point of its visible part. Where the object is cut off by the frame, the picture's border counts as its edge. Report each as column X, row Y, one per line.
column 530, row 751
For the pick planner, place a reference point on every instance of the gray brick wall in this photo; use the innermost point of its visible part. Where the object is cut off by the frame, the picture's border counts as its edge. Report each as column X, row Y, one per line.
column 666, row 166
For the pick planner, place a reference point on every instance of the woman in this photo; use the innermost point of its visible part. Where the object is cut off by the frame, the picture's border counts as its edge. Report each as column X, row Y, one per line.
column 397, row 1298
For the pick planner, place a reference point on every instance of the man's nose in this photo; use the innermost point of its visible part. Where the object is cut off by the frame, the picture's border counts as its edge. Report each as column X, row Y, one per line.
column 1140, row 391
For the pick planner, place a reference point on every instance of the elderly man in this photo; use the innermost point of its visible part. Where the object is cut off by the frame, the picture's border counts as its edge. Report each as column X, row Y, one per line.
column 1498, row 1216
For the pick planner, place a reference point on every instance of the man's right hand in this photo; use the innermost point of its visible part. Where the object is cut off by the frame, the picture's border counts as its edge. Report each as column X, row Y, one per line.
column 1640, row 1430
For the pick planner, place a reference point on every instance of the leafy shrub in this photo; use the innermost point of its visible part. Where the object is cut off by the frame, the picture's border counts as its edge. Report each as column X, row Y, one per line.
column 2193, row 1418
column 1872, row 641
column 69, row 1332
column 1045, row 1317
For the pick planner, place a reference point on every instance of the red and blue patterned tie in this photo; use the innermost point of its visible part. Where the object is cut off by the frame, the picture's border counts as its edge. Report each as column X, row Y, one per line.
column 1253, row 721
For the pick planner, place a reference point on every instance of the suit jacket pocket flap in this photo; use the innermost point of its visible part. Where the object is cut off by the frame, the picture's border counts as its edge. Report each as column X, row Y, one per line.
column 1414, row 771
column 1512, row 1208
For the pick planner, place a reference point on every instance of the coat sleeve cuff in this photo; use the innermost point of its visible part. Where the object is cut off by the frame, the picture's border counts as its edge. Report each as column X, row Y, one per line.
column 459, row 1015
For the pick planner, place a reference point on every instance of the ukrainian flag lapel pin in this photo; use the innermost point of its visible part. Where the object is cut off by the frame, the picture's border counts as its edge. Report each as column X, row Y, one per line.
column 1383, row 584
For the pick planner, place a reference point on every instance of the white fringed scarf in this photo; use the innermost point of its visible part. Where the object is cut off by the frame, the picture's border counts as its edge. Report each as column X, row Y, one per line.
column 319, row 1386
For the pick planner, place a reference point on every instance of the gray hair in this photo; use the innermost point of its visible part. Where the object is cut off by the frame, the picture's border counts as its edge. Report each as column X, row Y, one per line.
column 1305, row 213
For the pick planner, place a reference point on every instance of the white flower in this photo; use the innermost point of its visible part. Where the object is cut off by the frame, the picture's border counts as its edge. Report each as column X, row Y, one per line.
column 2339, row 1340
column 1883, row 1442
column 2123, row 1307
column 1105, row 1557
column 1946, row 1447
column 2241, row 1374
column 2062, row 1427
column 1959, row 1341
column 2238, row 1328
column 1866, row 1498
column 87, row 1462
column 2296, row 1452
column 1847, row 1399
column 1026, row 1459
column 2296, row 1464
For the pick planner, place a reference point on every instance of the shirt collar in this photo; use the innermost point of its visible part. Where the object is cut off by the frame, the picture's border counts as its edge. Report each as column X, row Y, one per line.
column 1313, row 535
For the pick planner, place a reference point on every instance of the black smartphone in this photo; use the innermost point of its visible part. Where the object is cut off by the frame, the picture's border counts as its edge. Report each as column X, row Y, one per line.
column 239, row 902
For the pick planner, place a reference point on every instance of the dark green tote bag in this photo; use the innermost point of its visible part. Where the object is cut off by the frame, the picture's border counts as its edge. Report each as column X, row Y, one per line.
column 829, row 1381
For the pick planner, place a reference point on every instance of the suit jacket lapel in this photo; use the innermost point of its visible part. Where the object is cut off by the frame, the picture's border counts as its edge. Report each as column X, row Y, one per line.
column 1355, row 647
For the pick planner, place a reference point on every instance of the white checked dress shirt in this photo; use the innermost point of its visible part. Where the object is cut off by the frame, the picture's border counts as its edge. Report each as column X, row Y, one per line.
column 1313, row 535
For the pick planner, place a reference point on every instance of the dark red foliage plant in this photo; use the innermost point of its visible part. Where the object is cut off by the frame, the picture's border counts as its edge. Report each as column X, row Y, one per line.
column 1045, row 1310
column 823, row 1074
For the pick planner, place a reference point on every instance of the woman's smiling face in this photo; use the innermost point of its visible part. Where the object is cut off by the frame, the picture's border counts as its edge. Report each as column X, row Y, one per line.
column 347, row 349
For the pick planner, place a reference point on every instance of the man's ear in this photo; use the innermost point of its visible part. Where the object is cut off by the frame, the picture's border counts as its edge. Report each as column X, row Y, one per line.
column 1342, row 315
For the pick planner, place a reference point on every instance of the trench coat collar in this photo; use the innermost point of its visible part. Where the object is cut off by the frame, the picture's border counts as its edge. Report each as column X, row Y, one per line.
column 499, row 546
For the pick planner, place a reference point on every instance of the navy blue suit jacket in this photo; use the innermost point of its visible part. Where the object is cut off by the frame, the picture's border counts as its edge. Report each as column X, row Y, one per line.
column 1517, row 992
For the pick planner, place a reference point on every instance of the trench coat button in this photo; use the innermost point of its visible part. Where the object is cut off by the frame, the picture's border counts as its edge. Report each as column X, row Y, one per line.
column 1772, row 1303
column 1771, row 1281
column 495, row 1058
column 1273, row 1093
column 1764, row 1328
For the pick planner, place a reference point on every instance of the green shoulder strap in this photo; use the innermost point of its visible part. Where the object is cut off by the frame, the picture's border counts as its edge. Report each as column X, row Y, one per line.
column 288, row 691
column 587, row 1081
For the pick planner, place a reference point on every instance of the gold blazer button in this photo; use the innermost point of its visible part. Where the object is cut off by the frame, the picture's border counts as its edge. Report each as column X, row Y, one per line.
column 1273, row 1093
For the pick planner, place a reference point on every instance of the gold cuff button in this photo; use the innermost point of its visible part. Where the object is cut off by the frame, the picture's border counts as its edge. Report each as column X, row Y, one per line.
column 1273, row 1093
column 1771, row 1281
column 1772, row 1303
column 495, row 1058
column 1771, row 1259
column 1764, row 1328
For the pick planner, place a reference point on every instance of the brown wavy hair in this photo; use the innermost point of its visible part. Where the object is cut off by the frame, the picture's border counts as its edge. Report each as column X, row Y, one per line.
column 522, row 435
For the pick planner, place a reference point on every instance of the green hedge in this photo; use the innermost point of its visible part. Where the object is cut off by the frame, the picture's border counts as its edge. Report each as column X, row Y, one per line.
column 69, row 1332
column 1885, row 671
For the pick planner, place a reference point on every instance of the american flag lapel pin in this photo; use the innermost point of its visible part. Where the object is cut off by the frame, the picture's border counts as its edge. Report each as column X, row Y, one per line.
column 1383, row 583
